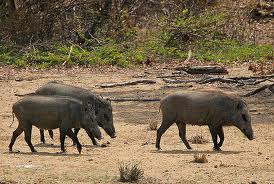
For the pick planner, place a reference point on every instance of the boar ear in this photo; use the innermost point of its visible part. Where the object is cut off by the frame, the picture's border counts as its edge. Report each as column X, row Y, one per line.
column 239, row 105
column 109, row 100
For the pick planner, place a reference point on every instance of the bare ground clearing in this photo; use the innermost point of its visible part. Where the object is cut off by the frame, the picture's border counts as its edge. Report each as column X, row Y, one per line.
column 241, row 160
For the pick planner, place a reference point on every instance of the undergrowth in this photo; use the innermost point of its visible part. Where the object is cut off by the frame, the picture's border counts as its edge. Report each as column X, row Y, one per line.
column 169, row 42
column 126, row 55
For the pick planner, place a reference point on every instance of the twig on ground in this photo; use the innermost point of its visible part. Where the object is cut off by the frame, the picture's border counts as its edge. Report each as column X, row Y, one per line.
column 176, row 86
column 203, row 69
column 218, row 79
column 134, row 82
column 270, row 87
column 134, row 99
column 176, row 81
column 253, row 77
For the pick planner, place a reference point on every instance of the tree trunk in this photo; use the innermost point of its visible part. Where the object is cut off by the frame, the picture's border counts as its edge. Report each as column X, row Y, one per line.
column 102, row 17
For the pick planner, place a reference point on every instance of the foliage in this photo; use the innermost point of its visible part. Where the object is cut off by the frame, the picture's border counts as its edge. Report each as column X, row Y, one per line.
column 124, row 33
column 230, row 50
column 184, row 30
column 126, row 54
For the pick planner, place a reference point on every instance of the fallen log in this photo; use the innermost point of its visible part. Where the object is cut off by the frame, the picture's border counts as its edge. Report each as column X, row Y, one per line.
column 134, row 82
column 269, row 86
column 134, row 99
column 203, row 69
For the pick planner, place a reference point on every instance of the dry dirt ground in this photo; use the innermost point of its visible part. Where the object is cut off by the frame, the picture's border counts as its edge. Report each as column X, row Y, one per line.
column 241, row 161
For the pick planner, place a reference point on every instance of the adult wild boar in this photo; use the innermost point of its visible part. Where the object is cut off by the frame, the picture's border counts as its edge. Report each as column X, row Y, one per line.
column 213, row 108
column 51, row 112
column 103, row 109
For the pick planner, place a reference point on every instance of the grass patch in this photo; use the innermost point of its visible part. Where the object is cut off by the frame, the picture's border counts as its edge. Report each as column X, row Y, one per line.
column 130, row 54
column 200, row 158
column 130, row 172
column 229, row 51
column 198, row 139
column 153, row 125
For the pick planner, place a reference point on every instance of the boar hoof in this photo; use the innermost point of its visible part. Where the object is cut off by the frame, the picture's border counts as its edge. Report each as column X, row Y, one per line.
column 61, row 152
column 17, row 151
column 34, row 151
column 217, row 149
column 79, row 148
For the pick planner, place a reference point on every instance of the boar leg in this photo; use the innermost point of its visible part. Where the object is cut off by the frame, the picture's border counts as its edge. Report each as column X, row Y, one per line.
column 76, row 130
column 42, row 136
column 15, row 134
column 75, row 139
column 94, row 142
column 27, row 130
column 62, row 139
column 161, row 130
column 214, row 135
column 50, row 134
column 221, row 136
column 182, row 133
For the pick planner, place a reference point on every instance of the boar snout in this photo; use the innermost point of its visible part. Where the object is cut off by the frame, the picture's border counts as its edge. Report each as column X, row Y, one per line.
column 110, row 131
column 113, row 136
column 248, row 134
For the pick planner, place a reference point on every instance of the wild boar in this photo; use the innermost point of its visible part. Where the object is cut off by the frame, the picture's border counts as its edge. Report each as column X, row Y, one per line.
column 212, row 108
column 51, row 112
column 103, row 108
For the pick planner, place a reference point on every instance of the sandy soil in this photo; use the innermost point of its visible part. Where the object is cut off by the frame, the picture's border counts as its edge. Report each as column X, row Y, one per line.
column 241, row 160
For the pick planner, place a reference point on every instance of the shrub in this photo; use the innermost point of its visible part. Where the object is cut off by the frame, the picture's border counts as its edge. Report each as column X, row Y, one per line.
column 130, row 172
column 200, row 158
column 198, row 139
column 153, row 125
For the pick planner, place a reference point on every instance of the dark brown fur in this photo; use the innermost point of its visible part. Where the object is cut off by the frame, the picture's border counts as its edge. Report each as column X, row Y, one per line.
column 212, row 108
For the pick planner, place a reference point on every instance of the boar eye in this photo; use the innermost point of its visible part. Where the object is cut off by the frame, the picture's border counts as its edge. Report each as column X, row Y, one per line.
column 106, row 117
column 239, row 106
column 244, row 117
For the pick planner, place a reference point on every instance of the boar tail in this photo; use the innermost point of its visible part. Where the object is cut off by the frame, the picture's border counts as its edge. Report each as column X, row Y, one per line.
column 12, row 119
column 160, row 107
column 20, row 95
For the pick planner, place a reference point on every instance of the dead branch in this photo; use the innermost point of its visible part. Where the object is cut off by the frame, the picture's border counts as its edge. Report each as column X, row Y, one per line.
column 134, row 82
column 169, row 76
column 176, row 81
column 218, row 79
column 260, row 81
column 176, row 86
column 203, row 69
column 134, row 99
column 269, row 86
column 253, row 77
